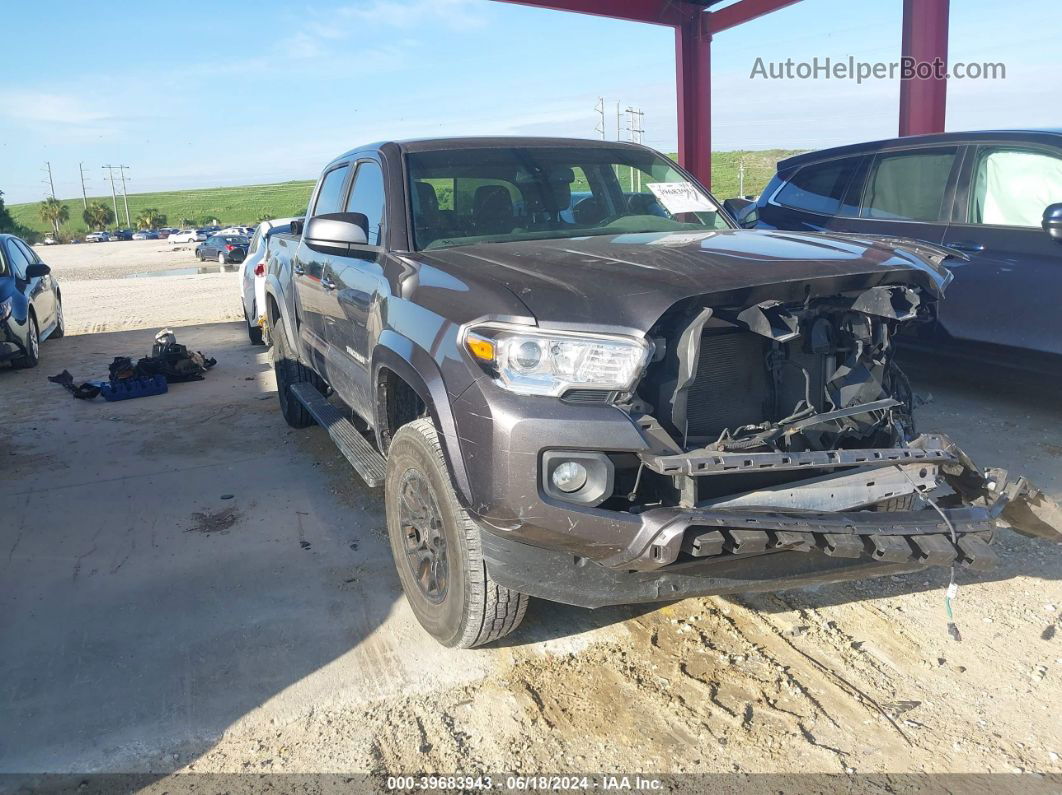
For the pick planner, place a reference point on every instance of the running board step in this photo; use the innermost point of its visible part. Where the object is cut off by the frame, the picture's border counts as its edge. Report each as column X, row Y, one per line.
column 367, row 462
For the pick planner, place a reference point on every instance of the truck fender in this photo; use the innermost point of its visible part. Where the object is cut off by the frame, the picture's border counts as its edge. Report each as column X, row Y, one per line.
column 416, row 367
column 275, row 289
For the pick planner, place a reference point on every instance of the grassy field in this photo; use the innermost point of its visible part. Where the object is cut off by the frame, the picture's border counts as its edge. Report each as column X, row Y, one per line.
column 246, row 203
column 237, row 205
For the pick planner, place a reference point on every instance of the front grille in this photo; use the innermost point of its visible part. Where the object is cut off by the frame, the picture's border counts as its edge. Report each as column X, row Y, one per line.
column 587, row 396
column 732, row 386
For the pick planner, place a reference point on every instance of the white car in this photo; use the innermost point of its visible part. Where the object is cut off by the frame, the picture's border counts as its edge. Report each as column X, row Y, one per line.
column 187, row 236
column 245, row 231
column 253, row 276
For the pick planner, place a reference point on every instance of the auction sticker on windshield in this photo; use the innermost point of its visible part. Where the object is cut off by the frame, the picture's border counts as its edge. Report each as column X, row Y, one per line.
column 681, row 197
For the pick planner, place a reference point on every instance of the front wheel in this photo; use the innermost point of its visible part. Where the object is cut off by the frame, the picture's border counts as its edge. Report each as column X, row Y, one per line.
column 437, row 549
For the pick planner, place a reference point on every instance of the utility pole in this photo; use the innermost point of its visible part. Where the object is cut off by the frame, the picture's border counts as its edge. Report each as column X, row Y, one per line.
column 599, row 108
column 741, row 177
column 114, row 196
column 84, row 194
column 125, row 198
column 634, row 134
column 51, row 184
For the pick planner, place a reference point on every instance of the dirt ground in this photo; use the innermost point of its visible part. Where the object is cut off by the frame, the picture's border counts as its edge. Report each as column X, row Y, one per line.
column 189, row 585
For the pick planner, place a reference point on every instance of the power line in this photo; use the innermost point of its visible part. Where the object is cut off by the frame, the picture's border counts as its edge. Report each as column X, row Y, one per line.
column 114, row 195
column 84, row 193
column 51, row 183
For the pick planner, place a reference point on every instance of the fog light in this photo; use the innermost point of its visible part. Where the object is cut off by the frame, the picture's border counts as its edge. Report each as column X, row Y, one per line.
column 569, row 476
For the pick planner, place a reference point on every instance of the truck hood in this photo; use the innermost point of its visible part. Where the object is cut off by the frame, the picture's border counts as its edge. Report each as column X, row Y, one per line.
column 628, row 281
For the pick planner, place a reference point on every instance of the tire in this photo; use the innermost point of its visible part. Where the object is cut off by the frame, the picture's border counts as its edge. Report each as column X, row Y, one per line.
column 33, row 340
column 254, row 331
column 289, row 371
column 436, row 547
column 60, row 321
column 199, row 255
column 221, row 258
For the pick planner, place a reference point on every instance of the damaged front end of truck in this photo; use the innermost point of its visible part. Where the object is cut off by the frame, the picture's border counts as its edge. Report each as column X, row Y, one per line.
column 789, row 426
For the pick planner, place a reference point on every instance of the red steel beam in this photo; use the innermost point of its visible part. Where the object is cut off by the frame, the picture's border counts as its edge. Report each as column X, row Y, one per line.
column 656, row 12
column 693, row 62
column 923, row 100
column 741, row 12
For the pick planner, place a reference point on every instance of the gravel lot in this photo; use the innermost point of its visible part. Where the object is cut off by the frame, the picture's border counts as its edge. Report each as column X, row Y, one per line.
column 149, row 624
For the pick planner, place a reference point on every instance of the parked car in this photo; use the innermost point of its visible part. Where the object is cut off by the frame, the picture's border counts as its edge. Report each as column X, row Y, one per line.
column 97, row 237
column 994, row 197
column 31, row 304
column 49, row 240
column 146, row 234
column 187, row 236
column 223, row 248
column 166, row 231
column 246, row 231
column 252, row 276
column 614, row 409
column 122, row 234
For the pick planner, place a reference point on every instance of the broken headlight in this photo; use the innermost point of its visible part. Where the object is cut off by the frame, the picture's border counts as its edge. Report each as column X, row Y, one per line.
column 540, row 362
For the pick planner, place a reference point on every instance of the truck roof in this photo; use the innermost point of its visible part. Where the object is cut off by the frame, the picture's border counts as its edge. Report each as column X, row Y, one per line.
column 488, row 142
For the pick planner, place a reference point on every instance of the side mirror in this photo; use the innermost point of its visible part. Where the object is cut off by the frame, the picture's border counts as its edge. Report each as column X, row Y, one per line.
column 37, row 270
column 1053, row 221
column 735, row 206
column 337, row 230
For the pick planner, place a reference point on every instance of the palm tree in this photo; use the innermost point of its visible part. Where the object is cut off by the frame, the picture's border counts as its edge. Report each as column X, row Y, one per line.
column 54, row 212
column 98, row 216
column 150, row 218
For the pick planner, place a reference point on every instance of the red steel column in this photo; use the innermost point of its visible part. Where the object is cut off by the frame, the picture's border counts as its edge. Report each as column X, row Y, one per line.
column 693, row 61
column 925, row 39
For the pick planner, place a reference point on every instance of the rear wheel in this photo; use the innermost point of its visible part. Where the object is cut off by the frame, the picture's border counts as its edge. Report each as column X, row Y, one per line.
column 254, row 331
column 290, row 371
column 60, row 321
column 437, row 549
column 33, row 346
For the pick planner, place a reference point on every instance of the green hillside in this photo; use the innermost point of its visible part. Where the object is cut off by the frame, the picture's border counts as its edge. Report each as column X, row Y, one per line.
column 243, row 204
column 247, row 203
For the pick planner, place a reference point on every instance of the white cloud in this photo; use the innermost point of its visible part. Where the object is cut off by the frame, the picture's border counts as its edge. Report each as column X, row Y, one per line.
column 453, row 14
column 32, row 106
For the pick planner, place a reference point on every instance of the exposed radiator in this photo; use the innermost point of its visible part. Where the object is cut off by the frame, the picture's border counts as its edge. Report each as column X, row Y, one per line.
column 732, row 386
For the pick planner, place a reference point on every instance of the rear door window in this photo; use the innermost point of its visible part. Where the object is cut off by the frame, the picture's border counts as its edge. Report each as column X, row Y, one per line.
column 1013, row 187
column 908, row 186
column 820, row 187
column 330, row 196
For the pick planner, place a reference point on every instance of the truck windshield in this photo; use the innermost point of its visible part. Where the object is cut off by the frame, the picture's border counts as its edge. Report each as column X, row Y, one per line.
column 460, row 197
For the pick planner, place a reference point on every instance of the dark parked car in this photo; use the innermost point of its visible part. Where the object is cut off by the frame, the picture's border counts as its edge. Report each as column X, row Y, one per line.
column 31, row 306
column 223, row 248
column 994, row 197
column 122, row 234
column 632, row 403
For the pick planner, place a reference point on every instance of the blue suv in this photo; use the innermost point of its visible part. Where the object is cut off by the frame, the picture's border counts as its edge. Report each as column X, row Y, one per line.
column 993, row 196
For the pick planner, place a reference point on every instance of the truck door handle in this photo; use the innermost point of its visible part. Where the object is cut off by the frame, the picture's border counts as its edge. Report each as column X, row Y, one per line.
column 327, row 283
column 968, row 246
column 299, row 270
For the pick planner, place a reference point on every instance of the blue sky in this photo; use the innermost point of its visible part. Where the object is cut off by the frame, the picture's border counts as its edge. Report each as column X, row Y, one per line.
column 203, row 94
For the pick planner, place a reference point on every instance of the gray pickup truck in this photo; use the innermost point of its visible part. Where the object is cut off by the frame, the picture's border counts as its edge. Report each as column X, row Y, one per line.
column 617, row 398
